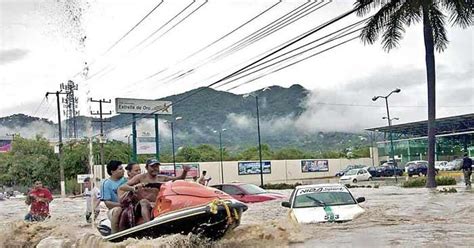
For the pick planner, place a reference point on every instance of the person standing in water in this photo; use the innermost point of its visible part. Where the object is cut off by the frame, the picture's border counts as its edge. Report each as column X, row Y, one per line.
column 92, row 196
column 38, row 199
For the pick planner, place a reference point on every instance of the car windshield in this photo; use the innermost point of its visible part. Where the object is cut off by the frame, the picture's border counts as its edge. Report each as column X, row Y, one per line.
column 321, row 199
column 352, row 172
column 253, row 189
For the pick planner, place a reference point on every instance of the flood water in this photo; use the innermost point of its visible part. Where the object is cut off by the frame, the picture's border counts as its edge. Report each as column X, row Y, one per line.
column 394, row 217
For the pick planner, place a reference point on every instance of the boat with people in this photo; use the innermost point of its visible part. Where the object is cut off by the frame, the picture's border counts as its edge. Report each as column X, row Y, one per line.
column 184, row 207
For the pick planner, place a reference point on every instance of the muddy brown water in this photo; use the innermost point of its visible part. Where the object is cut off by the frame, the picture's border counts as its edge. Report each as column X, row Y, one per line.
column 394, row 217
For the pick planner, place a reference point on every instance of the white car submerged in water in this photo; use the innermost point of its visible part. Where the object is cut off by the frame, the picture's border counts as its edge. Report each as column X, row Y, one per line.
column 323, row 203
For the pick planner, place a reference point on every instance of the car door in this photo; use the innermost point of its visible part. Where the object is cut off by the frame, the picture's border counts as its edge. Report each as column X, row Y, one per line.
column 235, row 192
column 360, row 175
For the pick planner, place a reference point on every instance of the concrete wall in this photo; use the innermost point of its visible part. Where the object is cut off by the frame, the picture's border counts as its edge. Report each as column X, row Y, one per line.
column 281, row 171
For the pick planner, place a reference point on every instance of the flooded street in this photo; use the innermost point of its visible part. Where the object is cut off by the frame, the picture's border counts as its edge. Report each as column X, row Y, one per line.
column 394, row 217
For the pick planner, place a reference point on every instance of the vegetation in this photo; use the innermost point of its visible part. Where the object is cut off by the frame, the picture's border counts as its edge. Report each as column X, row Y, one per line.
column 421, row 181
column 32, row 159
column 281, row 186
column 390, row 20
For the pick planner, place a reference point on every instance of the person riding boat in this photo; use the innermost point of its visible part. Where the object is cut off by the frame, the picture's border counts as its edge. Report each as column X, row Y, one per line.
column 146, row 196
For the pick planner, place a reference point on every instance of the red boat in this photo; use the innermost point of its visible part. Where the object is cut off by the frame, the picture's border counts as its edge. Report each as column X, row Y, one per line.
column 186, row 207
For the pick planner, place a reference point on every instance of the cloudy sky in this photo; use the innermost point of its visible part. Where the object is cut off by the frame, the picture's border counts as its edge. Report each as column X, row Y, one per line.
column 46, row 42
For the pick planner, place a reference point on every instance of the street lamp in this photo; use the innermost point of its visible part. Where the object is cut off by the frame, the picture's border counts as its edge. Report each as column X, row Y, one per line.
column 172, row 139
column 220, row 147
column 397, row 90
column 258, row 131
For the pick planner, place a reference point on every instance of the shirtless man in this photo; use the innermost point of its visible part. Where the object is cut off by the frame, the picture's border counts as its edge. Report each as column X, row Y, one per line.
column 148, row 196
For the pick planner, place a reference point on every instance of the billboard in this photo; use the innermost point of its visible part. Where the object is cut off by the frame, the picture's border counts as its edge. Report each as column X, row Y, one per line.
column 146, row 145
column 5, row 144
column 250, row 168
column 314, row 165
column 168, row 169
column 142, row 106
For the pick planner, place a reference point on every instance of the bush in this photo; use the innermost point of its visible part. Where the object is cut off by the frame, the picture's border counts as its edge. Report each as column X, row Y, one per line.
column 281, row 186
column 413, row 183
column 445, row 180
column 421, row 182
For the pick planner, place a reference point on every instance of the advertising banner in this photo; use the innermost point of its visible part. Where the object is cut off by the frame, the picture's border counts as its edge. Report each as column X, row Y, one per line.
column 250, row 168
column 142, row 106
column 167, row 169
column 5, row 145
column 314, row 165
column 146, row 145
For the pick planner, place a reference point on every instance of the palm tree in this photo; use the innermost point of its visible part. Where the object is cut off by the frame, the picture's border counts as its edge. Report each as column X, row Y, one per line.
column 390, row 20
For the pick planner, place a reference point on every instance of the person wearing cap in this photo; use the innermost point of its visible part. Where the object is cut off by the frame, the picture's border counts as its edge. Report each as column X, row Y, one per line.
column 467, row 169
column 147, row 196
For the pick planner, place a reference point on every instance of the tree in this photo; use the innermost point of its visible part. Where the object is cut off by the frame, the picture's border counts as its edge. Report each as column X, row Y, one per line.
column 390, row 20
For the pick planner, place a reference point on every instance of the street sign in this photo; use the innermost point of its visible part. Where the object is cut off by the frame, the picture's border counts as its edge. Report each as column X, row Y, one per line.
column 142, row 106
column 81, row 177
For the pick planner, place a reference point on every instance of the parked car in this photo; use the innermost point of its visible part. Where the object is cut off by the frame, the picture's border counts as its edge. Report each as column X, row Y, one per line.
column 389, row 171
column 356, row 175
column 444, row 166
column 456, row 164
column 373, row 171
column 323, row 203
column 247, row 193
column 417, row 168
column 348, row 168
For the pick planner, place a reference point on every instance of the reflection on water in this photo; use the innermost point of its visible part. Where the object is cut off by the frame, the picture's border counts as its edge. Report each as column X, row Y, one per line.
column 395, row 217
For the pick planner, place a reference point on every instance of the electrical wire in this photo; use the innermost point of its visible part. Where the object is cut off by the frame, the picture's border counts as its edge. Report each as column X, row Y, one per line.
column 231, row 49
column 136, row 25
column 251, row 64
column 343, row 34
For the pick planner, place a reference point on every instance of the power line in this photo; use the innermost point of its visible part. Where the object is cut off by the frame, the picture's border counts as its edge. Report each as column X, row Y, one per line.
column 39, row 106
column 295, row 49
column 136, row 25
column 123, row 36
column 162, row 26
column 231, row 49
column 255, row 62
column 172, row 27
column 212, row 43
column 157, row 30
column 277, row 27
column 235, row 29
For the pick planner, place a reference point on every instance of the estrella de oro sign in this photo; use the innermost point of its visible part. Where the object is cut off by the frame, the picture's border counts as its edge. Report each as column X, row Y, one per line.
column 249, row 168
column 314, row 165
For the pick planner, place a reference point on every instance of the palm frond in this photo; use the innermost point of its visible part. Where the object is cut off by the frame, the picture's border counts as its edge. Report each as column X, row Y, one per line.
column 377, row 23
column 437, row 24
column 460, row 12
column 394, row 30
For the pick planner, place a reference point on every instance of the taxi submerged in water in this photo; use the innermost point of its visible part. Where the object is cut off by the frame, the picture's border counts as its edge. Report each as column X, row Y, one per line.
column 323, row 203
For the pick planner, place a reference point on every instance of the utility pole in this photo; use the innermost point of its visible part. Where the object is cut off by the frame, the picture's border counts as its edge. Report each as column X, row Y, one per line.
column 60, row 145
column 101, row 139
column 70, row 104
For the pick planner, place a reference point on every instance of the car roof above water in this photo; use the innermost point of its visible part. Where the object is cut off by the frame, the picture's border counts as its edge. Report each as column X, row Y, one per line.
column 319, row 185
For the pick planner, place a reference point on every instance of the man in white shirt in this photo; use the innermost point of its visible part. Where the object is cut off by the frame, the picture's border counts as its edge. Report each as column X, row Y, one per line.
column 92, row 196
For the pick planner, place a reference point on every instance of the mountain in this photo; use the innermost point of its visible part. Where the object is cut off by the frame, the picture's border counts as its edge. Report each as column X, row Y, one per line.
column 205, row 110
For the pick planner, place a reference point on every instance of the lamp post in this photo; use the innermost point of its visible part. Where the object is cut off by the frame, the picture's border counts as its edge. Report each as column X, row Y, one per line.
column 172, row 140
column 258, row 133
column 392, row 154
column 220, row 147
